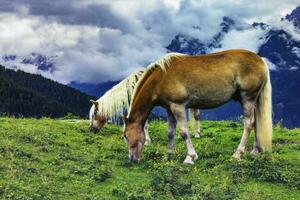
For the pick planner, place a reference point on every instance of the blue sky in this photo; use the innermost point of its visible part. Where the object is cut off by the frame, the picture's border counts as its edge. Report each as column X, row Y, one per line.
column 101, row 40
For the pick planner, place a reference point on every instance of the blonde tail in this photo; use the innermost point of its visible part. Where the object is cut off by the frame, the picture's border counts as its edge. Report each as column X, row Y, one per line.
column 263, row 116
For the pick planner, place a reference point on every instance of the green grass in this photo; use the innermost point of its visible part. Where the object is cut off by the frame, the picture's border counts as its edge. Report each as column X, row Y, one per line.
column 61, row 159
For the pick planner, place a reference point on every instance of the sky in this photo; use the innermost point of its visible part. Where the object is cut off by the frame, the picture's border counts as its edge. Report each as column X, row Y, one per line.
column 95, row 41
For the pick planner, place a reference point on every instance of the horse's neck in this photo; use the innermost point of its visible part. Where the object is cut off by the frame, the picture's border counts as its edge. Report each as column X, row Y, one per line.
column 141, row 106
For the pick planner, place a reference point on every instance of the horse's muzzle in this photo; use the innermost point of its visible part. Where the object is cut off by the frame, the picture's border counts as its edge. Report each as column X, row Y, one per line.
column 93, row 129
column 132, row 159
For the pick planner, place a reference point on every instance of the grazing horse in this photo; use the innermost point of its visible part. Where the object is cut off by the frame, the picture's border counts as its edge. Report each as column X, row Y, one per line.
column 179, row 81
column 117, row 100
column 113, row 102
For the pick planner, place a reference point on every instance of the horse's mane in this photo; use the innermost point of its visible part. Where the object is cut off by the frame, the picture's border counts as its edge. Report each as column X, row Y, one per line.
column 164, row 63
column 117, row 100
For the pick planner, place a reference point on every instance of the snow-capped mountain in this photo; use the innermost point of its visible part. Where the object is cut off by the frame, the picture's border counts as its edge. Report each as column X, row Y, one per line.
column 186, row 44
column 295, row 17
column 32, row 63
column 281, row 49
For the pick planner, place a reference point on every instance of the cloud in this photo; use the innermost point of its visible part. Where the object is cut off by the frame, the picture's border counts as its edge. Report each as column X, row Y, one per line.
column 82, row 53
column 101, row 40
column 271, row 65
column 250, row 39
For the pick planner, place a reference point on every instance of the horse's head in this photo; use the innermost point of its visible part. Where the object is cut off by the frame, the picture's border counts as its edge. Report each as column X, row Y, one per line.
column 96, row 120
column 134, row 134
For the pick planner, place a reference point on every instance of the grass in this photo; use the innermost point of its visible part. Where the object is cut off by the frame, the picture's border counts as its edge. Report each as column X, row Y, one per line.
column 61, row 159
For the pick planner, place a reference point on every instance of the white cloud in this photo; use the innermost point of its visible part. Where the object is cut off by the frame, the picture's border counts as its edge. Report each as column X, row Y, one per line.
column 101, row 40
column 16, row 64
column 271, row 65
column 294, row 68
column 83, row 53
column 296, row 50
column 288, row 27
column 250, row 39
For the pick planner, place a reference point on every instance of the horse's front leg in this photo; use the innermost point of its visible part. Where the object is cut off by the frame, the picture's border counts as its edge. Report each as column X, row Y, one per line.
column 147, row 136
column 171, row 133
column 178, row 111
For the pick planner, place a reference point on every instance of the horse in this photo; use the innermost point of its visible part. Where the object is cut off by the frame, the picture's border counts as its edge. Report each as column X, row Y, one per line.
column 117, row 100
column 113, row 103
column 180, row 81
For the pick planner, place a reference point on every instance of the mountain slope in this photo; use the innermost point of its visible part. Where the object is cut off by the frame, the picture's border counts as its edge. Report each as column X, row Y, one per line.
column 96, row 90
column 295, row 17
column 24, row 94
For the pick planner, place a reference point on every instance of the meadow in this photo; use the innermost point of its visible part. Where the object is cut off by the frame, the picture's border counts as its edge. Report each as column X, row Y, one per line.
column 60, row 159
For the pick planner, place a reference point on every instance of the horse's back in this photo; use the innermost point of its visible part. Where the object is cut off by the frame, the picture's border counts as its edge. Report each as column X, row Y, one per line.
column 213, row 79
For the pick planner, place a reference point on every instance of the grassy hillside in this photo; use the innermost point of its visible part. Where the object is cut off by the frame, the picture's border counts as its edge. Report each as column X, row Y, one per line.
column 57, row 159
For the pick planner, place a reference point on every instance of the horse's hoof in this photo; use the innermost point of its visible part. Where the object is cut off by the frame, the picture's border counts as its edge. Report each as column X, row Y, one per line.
column 188, row 160
column 237, row 155
column 254, row 151
column 197, row 135
column 170, row 155
column 195, row 157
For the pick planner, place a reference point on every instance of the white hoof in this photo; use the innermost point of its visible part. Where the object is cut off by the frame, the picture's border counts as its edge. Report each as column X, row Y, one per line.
column 188, row 160
column 195, row 157
column 237, row 155
column 197, row 135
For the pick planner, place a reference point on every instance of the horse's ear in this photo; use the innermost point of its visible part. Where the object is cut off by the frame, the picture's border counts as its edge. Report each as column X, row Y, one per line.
column 96, row 103
column 124, row 118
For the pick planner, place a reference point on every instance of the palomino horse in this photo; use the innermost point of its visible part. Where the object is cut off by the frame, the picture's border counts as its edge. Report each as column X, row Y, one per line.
column 117, row 100
column 179, row 81
column 113, row 103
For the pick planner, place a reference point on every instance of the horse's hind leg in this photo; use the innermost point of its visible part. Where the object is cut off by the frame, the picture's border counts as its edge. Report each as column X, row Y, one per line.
column 248, row 125
column 178, row 111
column 148, row 139
column 196, row 115
column 255, row 149
column 171, row 133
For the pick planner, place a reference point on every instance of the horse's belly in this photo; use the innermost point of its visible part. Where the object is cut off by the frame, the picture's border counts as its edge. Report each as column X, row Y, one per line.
column 211, row 98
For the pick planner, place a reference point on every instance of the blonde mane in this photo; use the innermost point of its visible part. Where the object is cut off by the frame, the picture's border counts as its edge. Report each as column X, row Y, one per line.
column 117, row 100
column 164, row 63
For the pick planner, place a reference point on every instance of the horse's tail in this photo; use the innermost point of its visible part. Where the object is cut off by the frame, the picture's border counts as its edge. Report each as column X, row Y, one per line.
column 263, row 116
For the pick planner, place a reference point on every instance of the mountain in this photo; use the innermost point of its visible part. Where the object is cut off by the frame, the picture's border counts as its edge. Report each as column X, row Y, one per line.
column 188, row 45
column 31, row 95
column 295, row 17
column 283, row 51
column 96, row 90
column 40, row 61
